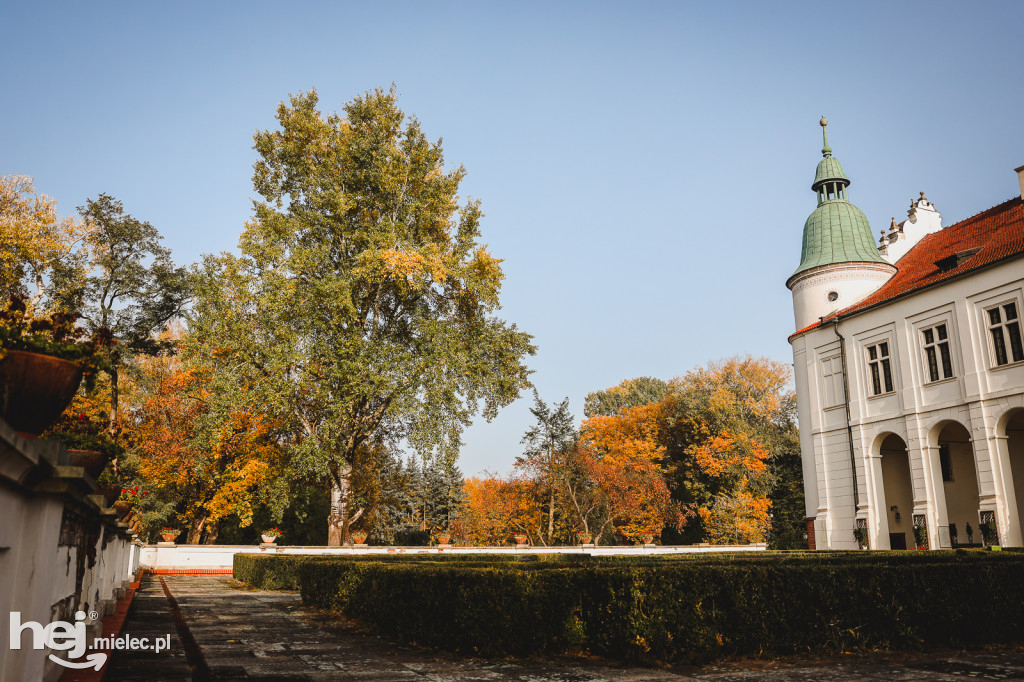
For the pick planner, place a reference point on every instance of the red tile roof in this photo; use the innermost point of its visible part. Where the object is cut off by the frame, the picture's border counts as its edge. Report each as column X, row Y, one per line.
column 997, row 234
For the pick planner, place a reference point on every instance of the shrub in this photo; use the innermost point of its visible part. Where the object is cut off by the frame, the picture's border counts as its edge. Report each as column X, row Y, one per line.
column 683, row 608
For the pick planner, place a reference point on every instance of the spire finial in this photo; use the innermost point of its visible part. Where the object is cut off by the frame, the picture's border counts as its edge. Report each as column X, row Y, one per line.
column 826, row 151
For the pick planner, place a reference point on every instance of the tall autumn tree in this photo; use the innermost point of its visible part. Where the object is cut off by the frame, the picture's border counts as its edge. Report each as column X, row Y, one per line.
column 362, row 305
column 208, row 464
column 37, row 245
column 132, row 287
column 731, row 439
column 548, row 443
column 624, row 454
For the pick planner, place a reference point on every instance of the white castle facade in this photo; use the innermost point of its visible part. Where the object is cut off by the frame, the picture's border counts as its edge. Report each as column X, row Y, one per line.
column 909, row 370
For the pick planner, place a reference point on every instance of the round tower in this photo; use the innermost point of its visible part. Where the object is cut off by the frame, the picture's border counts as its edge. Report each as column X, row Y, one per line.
column 839, row 264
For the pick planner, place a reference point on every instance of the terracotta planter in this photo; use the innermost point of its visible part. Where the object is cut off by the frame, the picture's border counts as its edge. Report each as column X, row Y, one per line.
column 586, row 540
column 521, row 540
column 444, row 539
column 92, row 461
column 358, row 539
column 35, row 389
column 110, row 493
column 170, row 537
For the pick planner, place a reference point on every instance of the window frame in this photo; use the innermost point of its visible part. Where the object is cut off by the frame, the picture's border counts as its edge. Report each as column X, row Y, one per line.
column 1013, row 353
column 836, row 376
column 937, row 353
column 880, row 367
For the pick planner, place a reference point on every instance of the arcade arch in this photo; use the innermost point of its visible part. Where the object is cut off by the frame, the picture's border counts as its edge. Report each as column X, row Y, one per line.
column 898, row 492
column 1012, row 428
column 959, row 476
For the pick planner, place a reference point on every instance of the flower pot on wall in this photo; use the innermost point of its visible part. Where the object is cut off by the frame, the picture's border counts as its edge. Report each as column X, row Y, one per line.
column 169, row 536
column 358, row 539
column 35, row 389
column 269, row 539
column 92, row 461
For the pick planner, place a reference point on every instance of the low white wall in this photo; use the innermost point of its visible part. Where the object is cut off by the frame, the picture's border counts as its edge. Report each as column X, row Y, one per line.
column 221, row 557
column 61, row 551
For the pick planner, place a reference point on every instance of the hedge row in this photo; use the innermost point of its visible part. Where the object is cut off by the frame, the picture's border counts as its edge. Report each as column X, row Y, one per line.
column 670, row 609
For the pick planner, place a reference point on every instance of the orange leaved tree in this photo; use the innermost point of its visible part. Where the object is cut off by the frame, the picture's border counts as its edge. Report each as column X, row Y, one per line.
column 623, row 456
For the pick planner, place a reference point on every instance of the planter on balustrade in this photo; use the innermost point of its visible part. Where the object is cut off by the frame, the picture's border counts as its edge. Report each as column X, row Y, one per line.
column 170, row 534
column 444, row 539
column 521, row 541
column 93, row 461
column 35, row 389
column 359, row 538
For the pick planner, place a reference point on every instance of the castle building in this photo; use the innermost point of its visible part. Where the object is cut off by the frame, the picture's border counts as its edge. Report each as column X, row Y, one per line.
column 909, row 368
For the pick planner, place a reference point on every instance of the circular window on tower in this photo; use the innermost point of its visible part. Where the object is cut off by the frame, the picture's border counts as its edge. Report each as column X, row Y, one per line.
column 833, row 296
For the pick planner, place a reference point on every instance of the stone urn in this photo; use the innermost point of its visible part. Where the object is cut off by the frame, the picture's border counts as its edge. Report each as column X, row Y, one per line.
column 169, row 534
column 358, row 538
column 269, row 539
column 521, row 541
column 35, row 389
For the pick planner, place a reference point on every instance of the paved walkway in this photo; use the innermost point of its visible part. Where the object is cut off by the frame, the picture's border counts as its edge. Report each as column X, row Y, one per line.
column 219, row 631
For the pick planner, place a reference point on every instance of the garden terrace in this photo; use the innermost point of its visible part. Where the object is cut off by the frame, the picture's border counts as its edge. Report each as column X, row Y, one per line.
column 677, row 609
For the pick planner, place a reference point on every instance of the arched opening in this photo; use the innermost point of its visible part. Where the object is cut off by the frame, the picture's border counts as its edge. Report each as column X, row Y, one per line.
column 960, row 484
column 898, row 490
column 1015, row 449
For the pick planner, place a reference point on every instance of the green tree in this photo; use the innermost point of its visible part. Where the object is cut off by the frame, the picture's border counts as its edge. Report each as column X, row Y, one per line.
column 548, row 443
column 362, row 302
column 630, row 393
column 132, row 287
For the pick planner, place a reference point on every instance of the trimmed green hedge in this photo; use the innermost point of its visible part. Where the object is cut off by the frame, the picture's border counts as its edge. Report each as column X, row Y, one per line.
column 682, row 608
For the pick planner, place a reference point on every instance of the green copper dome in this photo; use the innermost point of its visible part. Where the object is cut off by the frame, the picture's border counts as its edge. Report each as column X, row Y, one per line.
column 828, row 169
column 836, row 231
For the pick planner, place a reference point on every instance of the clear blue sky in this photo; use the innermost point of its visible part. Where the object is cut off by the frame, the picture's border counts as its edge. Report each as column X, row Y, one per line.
column 645, row 168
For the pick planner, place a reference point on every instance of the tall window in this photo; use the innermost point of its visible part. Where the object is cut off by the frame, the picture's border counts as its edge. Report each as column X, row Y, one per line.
column 832, row 381
column 936, row 352
column 880, row 368
column 1004, row 326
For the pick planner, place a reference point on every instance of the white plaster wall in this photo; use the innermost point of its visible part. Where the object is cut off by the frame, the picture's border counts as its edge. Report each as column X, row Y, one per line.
column 853, row 282
column 221, row 557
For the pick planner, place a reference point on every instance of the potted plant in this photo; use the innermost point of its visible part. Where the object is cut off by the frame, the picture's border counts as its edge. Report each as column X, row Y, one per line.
column 169, row 534
column 584, row 538
column 270, row 535
column 358, row 538
column 647, row 539
column 521, row 539
column 444, row 538
column 988, row 533
column 921, row 536
column 42, row 362
column 860, row 534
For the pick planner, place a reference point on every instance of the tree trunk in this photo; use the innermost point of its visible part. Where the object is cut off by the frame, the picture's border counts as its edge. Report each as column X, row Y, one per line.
column 195, row 530
column 337, row 518
column 112, row 427
column 211, row 535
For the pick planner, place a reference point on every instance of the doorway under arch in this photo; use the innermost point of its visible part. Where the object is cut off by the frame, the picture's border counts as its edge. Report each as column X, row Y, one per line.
column 898, row 491
column 1014, row 432
column 960, row 484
